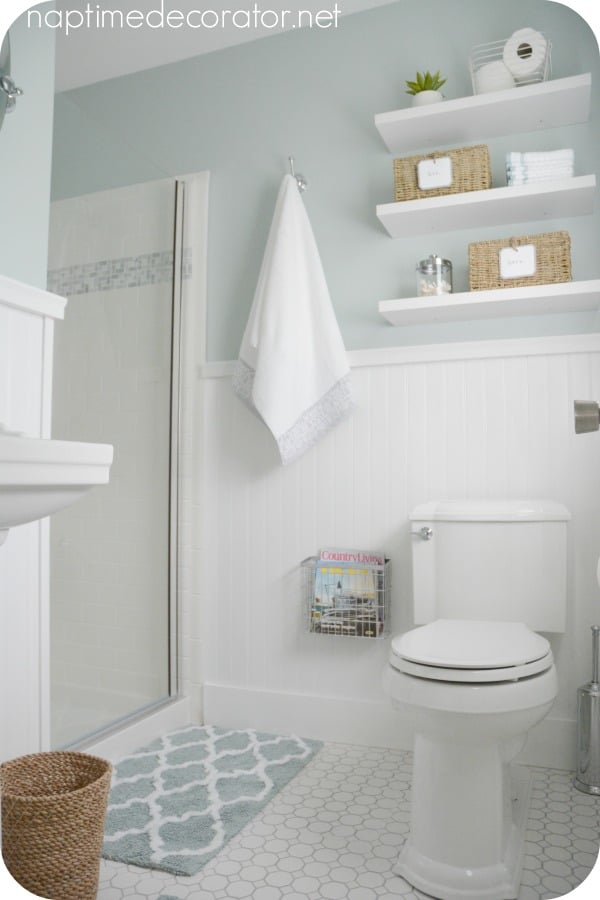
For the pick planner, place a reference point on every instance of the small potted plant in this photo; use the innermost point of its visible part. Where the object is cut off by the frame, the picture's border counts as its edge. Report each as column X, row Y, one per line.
column 425, row 88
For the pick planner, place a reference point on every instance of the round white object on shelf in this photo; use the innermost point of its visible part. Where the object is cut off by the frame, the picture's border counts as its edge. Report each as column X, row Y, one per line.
column 494, row 76
column 525, row 53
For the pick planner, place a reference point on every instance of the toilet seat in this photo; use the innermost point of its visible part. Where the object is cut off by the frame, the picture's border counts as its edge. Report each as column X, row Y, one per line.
column 457, row 650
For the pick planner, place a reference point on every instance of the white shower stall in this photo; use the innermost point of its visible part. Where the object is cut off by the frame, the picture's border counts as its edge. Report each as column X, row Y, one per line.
column 119, row 257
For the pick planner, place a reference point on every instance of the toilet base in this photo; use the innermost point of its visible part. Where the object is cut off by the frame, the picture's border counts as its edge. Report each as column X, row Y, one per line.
column 497, row 882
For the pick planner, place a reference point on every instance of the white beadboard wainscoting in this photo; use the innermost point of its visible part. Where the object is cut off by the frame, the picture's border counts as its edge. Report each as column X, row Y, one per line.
column 484, row 420
column 27, row 320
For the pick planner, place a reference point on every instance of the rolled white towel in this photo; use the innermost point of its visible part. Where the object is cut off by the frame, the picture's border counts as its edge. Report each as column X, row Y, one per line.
column 533, row 179
column 537, row 170
column 539, row 165
column 540, row 156
column 532, row 176
column 542, row 164
column 543, row 179
column 536, row 182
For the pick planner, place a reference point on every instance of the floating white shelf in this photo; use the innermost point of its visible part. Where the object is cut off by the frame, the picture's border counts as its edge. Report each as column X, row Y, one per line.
column 564, row 101
column 571, row 296
column 496, row 206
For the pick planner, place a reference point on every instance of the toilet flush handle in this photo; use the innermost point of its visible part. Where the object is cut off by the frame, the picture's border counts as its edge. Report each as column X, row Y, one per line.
column 425, row 533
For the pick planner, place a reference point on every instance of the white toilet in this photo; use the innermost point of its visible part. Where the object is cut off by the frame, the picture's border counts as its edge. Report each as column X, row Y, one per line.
column 475, row 677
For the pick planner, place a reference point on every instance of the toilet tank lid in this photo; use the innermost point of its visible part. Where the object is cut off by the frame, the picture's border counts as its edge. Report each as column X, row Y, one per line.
column 491, row 511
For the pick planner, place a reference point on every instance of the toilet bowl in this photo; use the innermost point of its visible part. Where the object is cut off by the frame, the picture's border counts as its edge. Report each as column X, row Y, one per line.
column 473, row 686
column 471, row 716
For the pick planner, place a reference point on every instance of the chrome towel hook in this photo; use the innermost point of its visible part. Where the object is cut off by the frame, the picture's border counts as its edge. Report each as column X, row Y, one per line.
column 300, row 179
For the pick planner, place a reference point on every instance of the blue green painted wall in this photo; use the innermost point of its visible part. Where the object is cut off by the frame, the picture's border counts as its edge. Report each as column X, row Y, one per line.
column 25, row 158
column 312, row 94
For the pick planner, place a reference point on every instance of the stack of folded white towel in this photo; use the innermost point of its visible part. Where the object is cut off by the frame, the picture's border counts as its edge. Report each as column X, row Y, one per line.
column 544, row 165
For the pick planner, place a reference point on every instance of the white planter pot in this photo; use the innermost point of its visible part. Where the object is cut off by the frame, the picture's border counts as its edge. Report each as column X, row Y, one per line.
column 424, row 98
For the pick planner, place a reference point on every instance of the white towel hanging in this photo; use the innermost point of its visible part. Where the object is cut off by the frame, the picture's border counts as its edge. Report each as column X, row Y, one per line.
column 292, row 368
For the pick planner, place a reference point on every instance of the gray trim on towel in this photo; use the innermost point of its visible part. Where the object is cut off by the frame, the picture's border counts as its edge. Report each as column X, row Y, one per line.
column 330, row 410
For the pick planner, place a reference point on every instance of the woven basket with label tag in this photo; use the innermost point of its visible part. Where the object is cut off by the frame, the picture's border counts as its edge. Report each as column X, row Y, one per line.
column 469, row 166
column 490, row 261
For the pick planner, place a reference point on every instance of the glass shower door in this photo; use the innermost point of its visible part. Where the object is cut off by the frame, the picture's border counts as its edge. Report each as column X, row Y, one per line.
column 111, row 254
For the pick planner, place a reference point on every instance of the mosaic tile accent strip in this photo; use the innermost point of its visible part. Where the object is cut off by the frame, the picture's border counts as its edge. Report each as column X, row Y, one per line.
column 335, row 831
column 114, row 274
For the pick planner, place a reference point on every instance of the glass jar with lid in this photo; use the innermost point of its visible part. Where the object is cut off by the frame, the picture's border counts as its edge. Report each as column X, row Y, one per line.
column 434, row 276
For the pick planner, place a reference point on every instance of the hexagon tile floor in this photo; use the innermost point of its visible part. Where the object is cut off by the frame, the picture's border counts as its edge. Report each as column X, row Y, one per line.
column 334, row 833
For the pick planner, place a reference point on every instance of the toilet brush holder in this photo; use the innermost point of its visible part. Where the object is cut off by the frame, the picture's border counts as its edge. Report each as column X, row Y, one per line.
column 587, row 778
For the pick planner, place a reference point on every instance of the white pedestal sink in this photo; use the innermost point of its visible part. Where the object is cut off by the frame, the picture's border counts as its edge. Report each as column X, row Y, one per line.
column 40, row 476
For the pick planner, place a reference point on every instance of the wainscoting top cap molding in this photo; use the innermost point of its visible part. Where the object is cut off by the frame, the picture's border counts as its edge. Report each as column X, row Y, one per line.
column 32, row 299
column 549, row 345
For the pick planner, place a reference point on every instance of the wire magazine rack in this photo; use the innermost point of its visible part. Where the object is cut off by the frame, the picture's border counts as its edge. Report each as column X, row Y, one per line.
column 346, row 600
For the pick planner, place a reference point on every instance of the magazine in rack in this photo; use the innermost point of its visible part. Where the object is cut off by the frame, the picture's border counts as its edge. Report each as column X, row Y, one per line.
column 348, row 596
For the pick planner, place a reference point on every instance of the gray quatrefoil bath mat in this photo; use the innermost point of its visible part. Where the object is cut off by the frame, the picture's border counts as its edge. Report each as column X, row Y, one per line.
column 175, row 804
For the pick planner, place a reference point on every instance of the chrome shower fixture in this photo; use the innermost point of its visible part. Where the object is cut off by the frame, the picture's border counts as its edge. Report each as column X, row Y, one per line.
column 587, row 416
column 11, row 91
column 8, row 89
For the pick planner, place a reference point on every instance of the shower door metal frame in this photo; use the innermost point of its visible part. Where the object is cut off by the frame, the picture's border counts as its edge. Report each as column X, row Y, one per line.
column 176, row 320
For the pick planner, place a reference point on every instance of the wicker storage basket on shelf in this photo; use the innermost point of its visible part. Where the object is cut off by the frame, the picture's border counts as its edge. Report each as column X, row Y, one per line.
column 553, row 261
column 53, row 809
column 470, row 172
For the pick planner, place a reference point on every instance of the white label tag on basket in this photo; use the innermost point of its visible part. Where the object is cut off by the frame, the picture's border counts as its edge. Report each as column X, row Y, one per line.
column 517, row 262
column 434, row 173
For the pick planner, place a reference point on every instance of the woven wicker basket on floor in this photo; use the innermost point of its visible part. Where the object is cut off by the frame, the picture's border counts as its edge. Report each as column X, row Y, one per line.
column 553, row 261
column 53, row 808
column 470, row 172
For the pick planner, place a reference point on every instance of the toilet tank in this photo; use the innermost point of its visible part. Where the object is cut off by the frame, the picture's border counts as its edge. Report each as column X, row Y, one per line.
column 491, row 560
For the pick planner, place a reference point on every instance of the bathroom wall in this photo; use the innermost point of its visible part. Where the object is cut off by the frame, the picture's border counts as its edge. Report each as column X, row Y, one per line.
column 26, row 157
column 313, row 94
column 439, row 420
column 476, row 421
